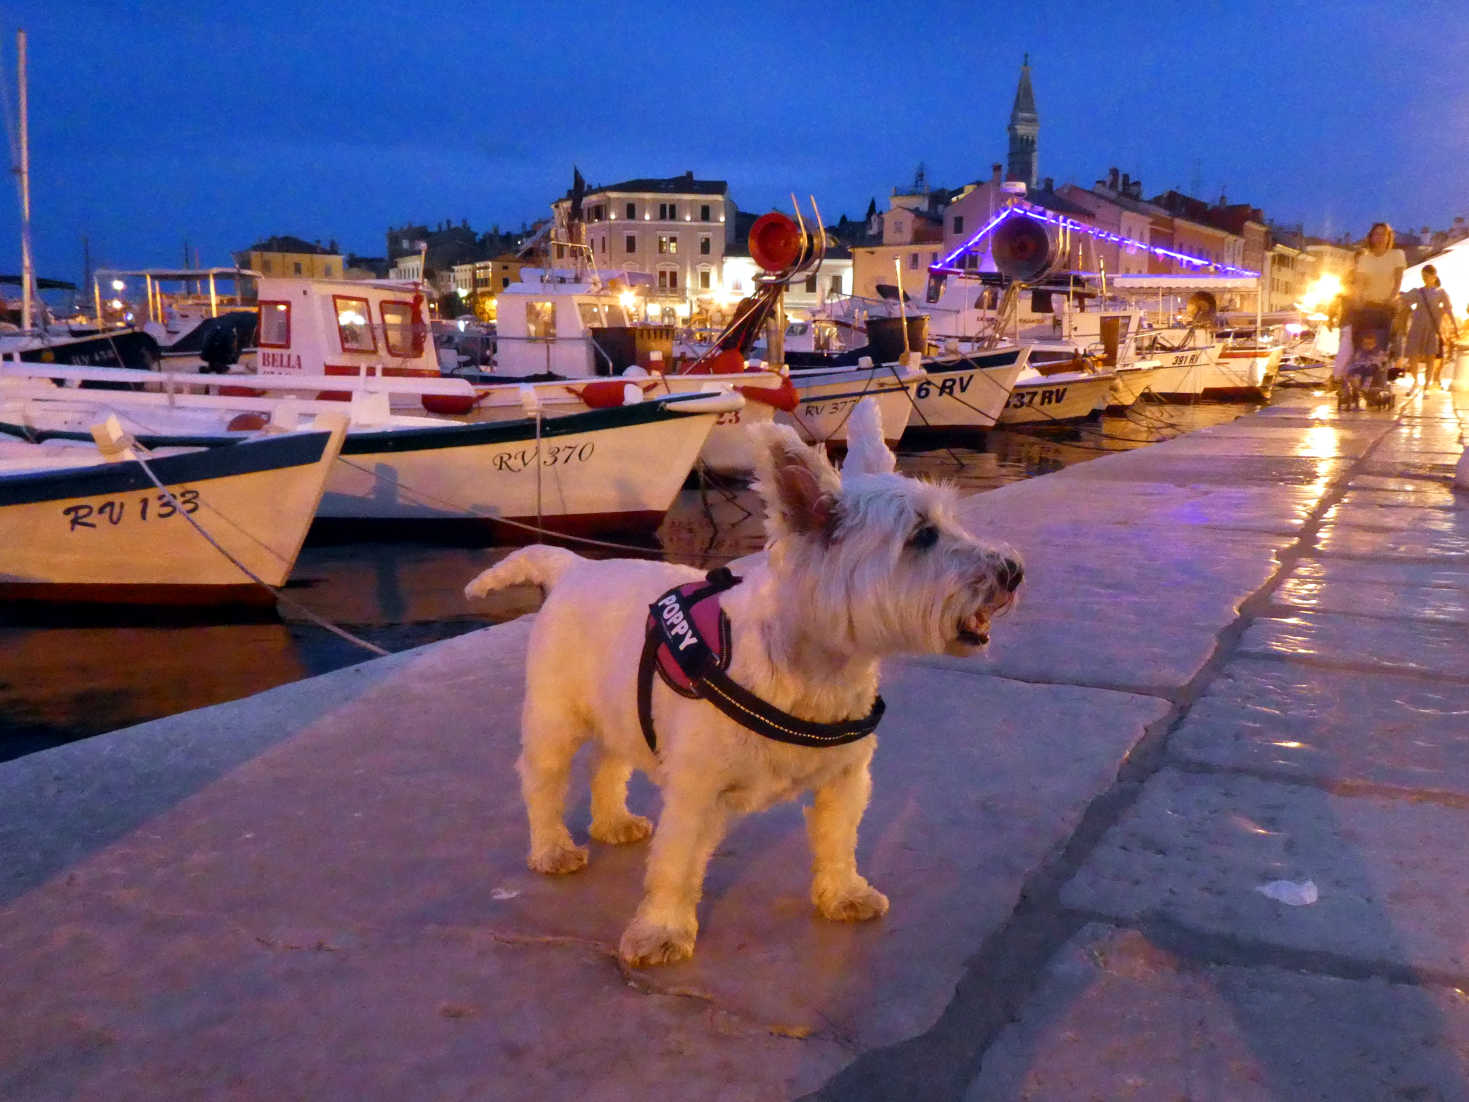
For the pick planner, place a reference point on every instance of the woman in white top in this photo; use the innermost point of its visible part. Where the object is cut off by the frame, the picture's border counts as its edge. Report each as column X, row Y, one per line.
column 1379, row 269
column 1373, row 285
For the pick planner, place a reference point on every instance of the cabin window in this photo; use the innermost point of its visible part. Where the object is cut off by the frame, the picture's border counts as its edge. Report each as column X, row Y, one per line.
column 667, row 244
column 1040, row 302
column 591, row 313
column 275, row 325
column 615, row 316
column 354, row 324
column 403, row 333
column 540, row 321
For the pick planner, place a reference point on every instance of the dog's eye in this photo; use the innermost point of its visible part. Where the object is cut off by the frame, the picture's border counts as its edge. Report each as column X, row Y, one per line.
column 924, row 537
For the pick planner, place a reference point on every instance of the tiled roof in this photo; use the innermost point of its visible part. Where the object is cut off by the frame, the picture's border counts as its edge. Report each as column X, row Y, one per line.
column 672, row 185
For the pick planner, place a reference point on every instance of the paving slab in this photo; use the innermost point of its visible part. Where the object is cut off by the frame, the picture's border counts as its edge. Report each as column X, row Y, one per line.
column 1197, row 847
column 1406, row 646
column 1439, row 519
column 1368, row 588
column 1436, row 537
column 1119, row 1017
column 1437, row 485
column 1335, row 728
column 1056, row 500
column 341, row 907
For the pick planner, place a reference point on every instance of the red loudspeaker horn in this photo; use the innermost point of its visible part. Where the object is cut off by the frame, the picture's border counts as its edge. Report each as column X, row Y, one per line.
column 775, row 242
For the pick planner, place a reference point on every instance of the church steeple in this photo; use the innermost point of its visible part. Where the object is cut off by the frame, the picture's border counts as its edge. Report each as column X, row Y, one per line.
column 1025, row 124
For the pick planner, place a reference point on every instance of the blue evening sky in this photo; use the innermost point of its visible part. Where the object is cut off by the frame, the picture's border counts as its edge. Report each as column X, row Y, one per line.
column 219, row 124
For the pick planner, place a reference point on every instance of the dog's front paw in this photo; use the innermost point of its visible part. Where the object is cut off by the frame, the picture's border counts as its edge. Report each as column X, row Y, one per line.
column 621, row 832
column 645, row 942
column 854, row 902
column 558, row 860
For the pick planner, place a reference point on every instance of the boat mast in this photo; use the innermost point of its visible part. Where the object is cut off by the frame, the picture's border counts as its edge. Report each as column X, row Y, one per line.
column 27, row 263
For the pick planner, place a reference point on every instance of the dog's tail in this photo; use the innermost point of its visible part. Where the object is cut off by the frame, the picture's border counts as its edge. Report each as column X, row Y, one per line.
column 537, row 564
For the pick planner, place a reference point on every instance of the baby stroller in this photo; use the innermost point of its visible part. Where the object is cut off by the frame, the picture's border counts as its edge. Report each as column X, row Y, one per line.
column 1366, row 379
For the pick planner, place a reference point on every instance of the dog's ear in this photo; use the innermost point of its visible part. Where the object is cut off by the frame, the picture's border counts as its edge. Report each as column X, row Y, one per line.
column 867, row 451
column 798, row 485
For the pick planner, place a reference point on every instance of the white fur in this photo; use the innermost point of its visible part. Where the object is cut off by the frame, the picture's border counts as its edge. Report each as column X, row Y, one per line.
column 840, row 586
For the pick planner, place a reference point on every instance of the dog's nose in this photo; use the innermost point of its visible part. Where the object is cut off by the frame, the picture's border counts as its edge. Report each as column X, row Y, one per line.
column 1010, row 574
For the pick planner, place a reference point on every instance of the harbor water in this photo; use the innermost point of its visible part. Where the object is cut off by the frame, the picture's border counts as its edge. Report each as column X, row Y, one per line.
column 69, row 675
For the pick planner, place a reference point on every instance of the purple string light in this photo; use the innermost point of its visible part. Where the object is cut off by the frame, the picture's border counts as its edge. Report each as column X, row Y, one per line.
column 946, row 265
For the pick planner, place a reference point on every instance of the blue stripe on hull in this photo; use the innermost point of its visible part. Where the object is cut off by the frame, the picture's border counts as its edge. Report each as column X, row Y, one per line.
column 248, row 457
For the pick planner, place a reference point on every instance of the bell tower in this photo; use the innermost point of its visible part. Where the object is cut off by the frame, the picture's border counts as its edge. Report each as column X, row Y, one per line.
column 1024, row 125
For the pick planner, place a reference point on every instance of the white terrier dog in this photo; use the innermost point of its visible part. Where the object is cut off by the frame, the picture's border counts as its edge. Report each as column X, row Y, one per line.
column 857, row 567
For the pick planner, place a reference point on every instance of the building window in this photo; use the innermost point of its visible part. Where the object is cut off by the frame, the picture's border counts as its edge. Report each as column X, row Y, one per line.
column 958, row 223
column 913, row 262
column 703, row 212
column 632, row 210
column 354, row 324
column 265, row 267
column 504, row 282
column 540, row 321
column 706, row 244
column 836, row 285
column 811, row 285
column 668, row 212
column 667, row 244
column 630, row 242
column 297, row 266
column 326, row 270
column 275, row 325
column 602, row 245
column 668, row 279
column 705, row 279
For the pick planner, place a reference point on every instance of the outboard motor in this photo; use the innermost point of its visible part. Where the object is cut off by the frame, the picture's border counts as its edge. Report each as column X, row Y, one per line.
column 220, row 347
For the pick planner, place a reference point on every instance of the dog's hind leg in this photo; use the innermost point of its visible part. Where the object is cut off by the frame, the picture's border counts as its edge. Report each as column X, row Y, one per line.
column 690, row 826
column 611, row 821
column 549, row 741
column 838, row 890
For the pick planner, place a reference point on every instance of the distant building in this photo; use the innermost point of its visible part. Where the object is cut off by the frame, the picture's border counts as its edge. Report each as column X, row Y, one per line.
column 675, row 229
column 292, row 256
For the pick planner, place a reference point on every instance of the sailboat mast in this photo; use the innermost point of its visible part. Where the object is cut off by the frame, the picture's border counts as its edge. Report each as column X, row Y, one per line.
column 27, row 263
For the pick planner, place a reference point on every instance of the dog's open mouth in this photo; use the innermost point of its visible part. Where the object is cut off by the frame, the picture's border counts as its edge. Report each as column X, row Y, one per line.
column 974, row 629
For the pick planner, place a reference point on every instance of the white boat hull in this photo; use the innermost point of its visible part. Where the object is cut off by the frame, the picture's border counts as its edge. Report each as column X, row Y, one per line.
column 967, row 392
column 105, row 530
column 829, row 395
column 610, row 470
column 1131, row 383
column 727, row 449
column 1054, row 399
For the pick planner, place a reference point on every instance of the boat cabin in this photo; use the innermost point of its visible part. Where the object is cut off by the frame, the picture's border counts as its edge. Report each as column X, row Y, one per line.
column 344, row 327
column 574, row 325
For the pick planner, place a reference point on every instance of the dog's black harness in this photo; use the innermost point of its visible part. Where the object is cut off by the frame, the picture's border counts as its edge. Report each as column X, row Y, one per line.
column 680, row 623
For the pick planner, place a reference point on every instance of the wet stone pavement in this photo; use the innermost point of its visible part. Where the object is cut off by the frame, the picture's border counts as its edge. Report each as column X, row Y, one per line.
column 1192, row 830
